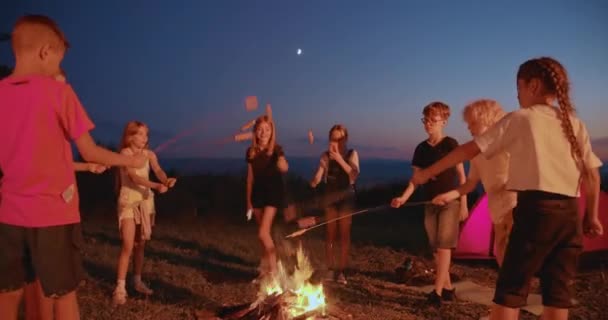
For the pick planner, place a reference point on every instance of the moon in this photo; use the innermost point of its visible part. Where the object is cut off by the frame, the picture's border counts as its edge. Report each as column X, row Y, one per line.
column 299, row 51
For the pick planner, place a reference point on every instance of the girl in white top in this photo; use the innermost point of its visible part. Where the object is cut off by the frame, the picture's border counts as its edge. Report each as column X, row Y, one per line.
column 550, row 155
column 136, row 207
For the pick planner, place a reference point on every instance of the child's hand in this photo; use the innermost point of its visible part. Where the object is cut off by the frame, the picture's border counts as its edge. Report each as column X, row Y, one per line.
column 161, row 188
column 444, row 198
column 398, row 202
column 170, row 183
column 307, row 222
column 334, row 154
column 96, row 168
column 464, row 213
column 592, row 227
column 282, row 164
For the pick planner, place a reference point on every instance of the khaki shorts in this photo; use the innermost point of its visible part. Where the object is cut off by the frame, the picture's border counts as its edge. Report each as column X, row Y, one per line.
column 442, row 224
column 130, row 200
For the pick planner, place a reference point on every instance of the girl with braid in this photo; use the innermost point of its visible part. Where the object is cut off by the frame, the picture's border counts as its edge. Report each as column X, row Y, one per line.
column 550, row 157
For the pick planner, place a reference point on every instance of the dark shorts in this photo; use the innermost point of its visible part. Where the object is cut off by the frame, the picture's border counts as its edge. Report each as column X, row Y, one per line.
column 50, row 254
column 546, row 240
column 442, row 224
column 268, row 196
column 339, row 200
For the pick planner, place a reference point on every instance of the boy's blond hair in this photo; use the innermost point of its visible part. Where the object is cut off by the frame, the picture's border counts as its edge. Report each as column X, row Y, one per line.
column 437, row 108
column 485, row 111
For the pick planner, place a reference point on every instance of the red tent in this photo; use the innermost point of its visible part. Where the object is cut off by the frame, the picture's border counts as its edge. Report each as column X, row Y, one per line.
column 476, row 236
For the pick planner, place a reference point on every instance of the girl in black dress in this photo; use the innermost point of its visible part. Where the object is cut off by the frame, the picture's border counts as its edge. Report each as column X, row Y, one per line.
column 266, row 165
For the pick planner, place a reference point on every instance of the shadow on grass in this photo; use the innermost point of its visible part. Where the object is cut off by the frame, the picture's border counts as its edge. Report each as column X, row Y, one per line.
column 164, row 292
column 217, row 266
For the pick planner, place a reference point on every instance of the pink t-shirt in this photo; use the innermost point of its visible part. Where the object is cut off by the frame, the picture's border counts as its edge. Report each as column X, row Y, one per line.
column 38, row 118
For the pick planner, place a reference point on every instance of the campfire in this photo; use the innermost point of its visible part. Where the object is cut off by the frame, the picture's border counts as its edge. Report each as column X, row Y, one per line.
column 285, row 296
column 293, row 295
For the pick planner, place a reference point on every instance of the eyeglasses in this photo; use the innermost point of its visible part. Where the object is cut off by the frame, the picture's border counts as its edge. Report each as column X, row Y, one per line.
column 430, row 121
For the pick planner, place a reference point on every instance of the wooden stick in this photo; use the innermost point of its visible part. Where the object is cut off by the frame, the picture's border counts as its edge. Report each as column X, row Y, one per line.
column 386, row 206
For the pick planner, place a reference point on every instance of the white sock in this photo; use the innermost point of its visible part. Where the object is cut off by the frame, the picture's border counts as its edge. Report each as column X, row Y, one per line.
column 137, row 278
column 120, row 284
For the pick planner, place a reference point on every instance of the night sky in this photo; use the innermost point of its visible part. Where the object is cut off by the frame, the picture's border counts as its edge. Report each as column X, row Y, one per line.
column 371, row 65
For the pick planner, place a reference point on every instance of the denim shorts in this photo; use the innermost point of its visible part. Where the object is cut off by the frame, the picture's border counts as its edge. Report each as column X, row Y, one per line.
column 442, row 224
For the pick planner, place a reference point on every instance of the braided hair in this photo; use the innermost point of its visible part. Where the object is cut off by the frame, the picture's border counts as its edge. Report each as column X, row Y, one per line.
column 553, row 76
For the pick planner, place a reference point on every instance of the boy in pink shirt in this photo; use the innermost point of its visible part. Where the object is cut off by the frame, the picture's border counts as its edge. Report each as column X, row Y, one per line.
column 40, row 232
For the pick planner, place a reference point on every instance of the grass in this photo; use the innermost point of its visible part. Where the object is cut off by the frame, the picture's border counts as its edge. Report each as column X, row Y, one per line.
column 206, row 263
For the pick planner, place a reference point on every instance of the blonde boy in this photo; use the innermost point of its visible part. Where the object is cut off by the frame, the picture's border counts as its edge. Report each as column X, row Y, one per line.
column 493, row 173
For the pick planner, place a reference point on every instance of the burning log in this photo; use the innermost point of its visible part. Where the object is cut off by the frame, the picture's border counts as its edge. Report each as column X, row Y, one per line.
column 284, row 296
column 274, row 308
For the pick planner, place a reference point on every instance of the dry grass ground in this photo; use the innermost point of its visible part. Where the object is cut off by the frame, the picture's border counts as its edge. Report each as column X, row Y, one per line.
column 208, row 262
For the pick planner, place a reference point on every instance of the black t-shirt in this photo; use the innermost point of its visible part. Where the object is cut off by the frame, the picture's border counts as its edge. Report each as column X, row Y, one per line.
column 264, row 166
column 425, row 155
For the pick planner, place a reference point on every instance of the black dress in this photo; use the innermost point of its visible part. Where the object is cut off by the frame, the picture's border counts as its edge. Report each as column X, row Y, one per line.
column 268, row 188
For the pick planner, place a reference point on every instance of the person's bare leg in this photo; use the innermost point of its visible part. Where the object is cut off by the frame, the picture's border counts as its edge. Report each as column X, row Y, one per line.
column 138, row 257
column 266, row 237
column 66, row 307
column 9, row 304
column 127, row 231
column 128, row 240
column 330, row 213
column 345, row 225
column 552, row 313
column 442, row 263
column 37, row 307
column 503, row 313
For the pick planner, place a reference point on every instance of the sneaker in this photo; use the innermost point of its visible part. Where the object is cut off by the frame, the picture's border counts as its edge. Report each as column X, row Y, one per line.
column 330, row 275
column 448, row 294
column 433, row 298
column 341, row 279
column 119, row 296
column 141, row 287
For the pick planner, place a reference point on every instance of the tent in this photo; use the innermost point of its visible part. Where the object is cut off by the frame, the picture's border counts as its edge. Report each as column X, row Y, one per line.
column 477, row 239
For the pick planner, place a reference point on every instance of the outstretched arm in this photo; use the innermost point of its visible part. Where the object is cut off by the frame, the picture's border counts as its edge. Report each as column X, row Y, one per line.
column 407, row 193
column 91, row 152
column 155, row 166
column 316, row 179
column 464, row 209
column 88, row 166
column 592, row 225
column 461, row 153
